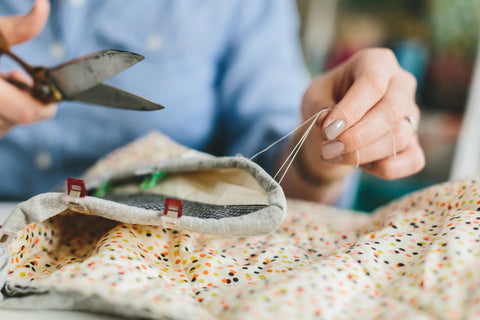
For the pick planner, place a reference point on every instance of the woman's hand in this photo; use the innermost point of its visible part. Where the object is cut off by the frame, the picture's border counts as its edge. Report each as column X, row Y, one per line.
column 16, row 105
column 372, row 121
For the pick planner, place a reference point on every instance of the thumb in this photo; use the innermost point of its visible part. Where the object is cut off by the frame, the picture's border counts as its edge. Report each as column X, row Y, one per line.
column 20, row 28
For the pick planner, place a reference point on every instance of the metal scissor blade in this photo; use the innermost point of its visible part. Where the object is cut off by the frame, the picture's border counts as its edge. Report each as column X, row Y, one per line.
column 78, row 75
column 106, row 95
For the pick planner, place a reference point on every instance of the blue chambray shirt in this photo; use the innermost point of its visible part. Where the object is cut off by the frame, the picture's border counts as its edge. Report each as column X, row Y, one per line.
column 230, row 73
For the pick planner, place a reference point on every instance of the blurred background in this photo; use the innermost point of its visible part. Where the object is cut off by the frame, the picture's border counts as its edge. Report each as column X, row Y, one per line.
column 436, row 40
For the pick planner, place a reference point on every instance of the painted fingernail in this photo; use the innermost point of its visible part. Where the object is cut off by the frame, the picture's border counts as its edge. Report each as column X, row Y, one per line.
column 334, row 129
column 332, row 149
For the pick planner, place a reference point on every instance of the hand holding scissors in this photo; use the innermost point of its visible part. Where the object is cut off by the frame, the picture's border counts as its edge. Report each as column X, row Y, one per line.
column 34, row 98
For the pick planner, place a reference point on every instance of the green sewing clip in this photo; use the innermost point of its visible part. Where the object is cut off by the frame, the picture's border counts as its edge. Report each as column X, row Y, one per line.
column 102, row 190
column 151, row 180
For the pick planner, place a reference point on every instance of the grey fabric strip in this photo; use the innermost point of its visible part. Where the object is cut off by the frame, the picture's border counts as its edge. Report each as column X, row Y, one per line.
column 190, row 208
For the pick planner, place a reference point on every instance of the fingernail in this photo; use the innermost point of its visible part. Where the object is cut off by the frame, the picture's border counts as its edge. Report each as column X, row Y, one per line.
column 332, row 149
column 334, row 129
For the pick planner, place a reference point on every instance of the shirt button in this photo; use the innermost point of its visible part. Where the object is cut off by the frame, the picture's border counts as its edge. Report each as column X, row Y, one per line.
column 154, row 42
column 77, row 3
column 43, row 160
column 57, row 50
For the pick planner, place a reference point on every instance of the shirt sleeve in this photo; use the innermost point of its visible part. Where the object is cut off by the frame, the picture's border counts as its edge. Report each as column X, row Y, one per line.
column 261, row 80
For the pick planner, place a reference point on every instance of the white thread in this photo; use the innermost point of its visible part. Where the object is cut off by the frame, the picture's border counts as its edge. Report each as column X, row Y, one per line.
column 292, row 155
column 345, row 114
column 394, row 145
column 297, row 147
column 285, row 136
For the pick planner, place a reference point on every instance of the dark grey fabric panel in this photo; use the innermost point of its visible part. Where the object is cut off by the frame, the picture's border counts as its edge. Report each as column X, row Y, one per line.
column 190, row 208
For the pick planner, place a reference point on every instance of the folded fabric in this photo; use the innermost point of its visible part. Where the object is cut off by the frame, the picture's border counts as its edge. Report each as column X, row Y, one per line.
column 155, row 181
column 152, row 182
column 417, row 257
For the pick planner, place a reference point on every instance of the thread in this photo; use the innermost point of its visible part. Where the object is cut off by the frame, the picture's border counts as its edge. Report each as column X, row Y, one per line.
column 394, row 144
column 287, row 135
column 344, row 113
column 297, row 146
column 292, row 155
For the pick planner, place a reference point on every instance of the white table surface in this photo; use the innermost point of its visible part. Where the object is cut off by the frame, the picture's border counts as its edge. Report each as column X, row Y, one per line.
column 5, row 209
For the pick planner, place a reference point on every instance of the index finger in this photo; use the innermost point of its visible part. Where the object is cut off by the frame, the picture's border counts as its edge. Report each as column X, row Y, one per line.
column 371, row 73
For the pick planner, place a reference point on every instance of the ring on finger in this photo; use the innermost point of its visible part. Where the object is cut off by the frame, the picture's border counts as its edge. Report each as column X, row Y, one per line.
column 413, row 122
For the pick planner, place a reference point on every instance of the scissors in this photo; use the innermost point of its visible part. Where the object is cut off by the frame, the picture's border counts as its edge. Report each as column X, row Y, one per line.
column 82, row 79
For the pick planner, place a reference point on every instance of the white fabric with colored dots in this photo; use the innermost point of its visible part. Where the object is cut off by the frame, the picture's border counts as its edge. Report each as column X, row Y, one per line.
column 417, row 258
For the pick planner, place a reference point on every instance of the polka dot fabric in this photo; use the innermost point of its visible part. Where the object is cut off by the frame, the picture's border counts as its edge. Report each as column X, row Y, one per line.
column 152, row 148
column 417, row 257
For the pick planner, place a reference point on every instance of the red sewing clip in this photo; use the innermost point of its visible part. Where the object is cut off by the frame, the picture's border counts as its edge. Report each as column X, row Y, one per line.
column 172, row 213
column 76, row 188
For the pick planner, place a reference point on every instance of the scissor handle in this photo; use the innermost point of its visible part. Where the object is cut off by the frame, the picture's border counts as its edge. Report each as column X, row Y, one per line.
column 43, row 89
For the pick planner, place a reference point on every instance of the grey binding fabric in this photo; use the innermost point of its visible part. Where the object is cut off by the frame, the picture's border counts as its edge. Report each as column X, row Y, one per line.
column 224, row 196
column 147, row 208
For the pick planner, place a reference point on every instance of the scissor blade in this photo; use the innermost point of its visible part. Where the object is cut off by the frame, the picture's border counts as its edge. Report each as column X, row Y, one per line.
column 106, row 95
column 78, row 75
